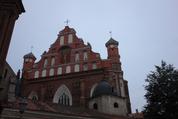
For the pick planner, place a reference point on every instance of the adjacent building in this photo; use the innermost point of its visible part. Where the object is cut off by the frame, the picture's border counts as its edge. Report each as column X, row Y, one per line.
column 9, row 13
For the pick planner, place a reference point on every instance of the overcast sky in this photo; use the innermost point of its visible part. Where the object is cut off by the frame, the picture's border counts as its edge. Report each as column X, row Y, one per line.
column 147, row 31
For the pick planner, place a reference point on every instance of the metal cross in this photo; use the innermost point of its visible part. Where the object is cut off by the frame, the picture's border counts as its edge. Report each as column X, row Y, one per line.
column 67, row 22
column 110, row 32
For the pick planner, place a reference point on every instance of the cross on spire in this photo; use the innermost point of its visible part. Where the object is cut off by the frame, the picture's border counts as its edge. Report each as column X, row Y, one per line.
column 67, row 22
column 110, row 32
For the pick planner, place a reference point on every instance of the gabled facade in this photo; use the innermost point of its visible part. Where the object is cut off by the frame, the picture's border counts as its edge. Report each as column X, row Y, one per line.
column 70, row 72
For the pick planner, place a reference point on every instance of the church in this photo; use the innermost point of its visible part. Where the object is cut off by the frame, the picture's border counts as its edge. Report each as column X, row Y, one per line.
column 71, row 74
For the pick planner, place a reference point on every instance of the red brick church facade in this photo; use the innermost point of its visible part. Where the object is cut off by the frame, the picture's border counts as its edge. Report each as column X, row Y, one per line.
column 69, row 73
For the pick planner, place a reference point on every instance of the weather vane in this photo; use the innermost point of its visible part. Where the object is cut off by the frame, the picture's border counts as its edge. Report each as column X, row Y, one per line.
column 67, row 22
column 110, row 32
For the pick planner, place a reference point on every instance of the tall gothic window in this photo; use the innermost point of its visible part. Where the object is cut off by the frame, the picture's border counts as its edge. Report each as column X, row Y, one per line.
column 51, row 72
column 77, row 57
column 64, row 99
column 85, row 55
column 45, row 62
column 52, row 61
column 70, row 38
column 43, row 73
column 36, row 74
column 59, row 71
column 63, row 96
column 77, row 68
column 62, row 40
column 65, row 54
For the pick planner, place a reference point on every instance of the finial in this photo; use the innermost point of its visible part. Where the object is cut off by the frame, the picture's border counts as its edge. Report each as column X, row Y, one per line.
column 67, row 22
column 31, row 48
column 110, row 32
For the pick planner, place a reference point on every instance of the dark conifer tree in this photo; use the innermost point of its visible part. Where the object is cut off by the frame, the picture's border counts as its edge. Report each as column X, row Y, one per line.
column 162, row 93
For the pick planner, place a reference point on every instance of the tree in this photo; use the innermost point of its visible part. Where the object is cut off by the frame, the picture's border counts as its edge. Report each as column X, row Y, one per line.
column 162, row 93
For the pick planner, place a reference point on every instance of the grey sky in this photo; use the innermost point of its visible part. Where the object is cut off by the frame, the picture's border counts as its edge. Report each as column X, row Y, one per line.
column 147, row 31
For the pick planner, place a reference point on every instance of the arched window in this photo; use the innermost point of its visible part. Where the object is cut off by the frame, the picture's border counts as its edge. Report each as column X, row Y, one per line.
column 45, row 62
column 95, row 106
column 63, row 96
column 68, row 69
column 92, row 89
column 51, row 72
column 52, row 61
column 33, row 96
column 116, row 105
column 62, row 40
column 77, row 58
column 43, row 73
column 70, row 38
column 59, row 71
column 36, row 74
column 77, row 68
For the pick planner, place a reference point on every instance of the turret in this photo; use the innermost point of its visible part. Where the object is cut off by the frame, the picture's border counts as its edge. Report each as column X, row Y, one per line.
column 112, row 48
column 29, row 60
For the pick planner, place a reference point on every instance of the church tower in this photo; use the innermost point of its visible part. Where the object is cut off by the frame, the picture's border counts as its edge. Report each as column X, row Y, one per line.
column 29, row 60
column 112, row 49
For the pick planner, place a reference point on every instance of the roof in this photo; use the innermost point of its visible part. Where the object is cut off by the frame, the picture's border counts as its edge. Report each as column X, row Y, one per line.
column 111, row 41
column 30, row 55
column 103, row 88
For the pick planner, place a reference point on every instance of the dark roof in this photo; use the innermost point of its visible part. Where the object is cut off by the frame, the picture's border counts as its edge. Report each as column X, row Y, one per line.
column 30, row 55
column 111, row 41
column 103, row 88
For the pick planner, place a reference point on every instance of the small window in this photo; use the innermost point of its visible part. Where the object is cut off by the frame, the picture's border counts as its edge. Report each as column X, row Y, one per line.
column 26, row 60
column 85, row 67
column 51, row 72
column 77, row 68
column 36, row 74
column 70, row 38
column 85, row 55
column 30, row 60
column 59, row 71
column 77, row 57
column 45, row 62
column 43, row 73
column 62, row 40
column 116, row 105
column 52, row 61
column 34, row 98
column 94, row 66
column 68, row 69
column 95, row 106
